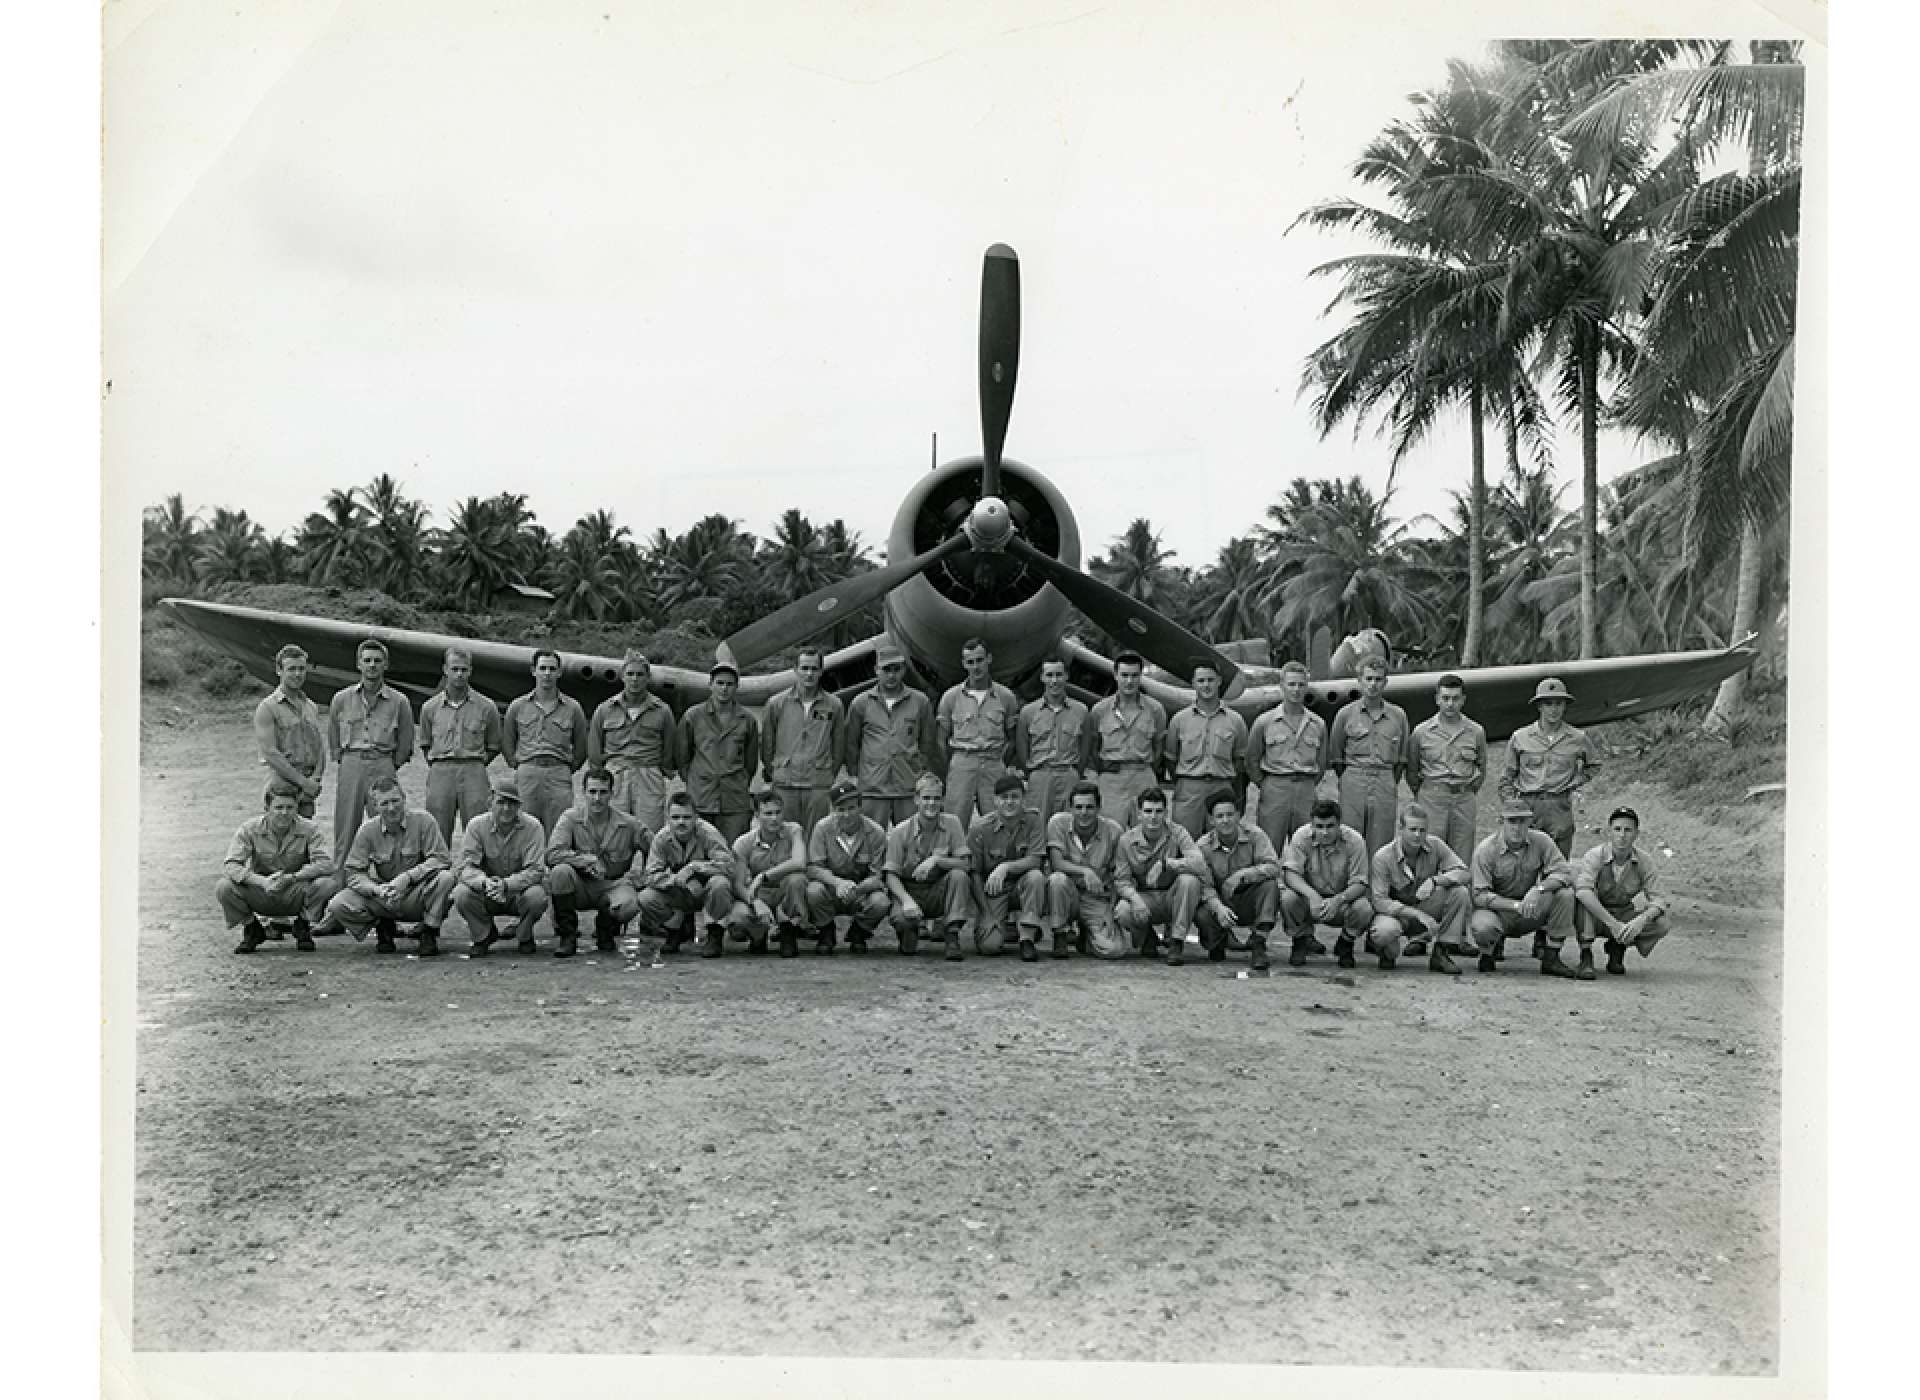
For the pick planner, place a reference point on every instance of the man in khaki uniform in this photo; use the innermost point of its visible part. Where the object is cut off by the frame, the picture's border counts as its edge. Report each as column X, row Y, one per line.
column 370, row 734
column 1008, row 847
column 689, row 872
column 288, row 731
column 976, row 722
column 890, row 740
column 1203, row 752
column 1617, row 894
column 502, row 870
column 1243, row 883
column 278, row 863
column 1447, row 766
column 460, row 732
column 1367, row 747
column 1082, row 846
column 769, row 879
column 802, row 731
column 631, row 734
column 718, row 749
column 544, row 739
column 398, row 868
column 1128, row 729
column 1157, row 879
column 927, row 868
column 1050, row 742
column 1521, row 884
column 846, row 861
column 1323, row 874
column 1418, row 883
column 1547, row 762
column 591, row 857
column 1286, row 754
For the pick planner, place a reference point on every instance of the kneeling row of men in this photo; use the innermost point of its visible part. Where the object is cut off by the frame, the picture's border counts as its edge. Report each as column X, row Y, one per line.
column 1075, row 880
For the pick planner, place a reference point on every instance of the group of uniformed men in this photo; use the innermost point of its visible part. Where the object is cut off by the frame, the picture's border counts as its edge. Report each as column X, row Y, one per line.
column 1116, row 830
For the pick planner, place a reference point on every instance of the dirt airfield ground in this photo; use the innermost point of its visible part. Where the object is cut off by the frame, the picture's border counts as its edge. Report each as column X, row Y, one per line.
column 896, row 1157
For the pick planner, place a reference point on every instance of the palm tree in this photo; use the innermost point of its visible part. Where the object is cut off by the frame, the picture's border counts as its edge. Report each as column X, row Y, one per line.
column 475, row 551
column 1352, row 566
column 846, row 555
column 279, row 561
column 585, row 574
column 709, row 561
column 1136, row 563
column 795, row 560
column 169, row 541
column 229, row 549
column 1530, row 536
column 334, row 544
column 1229, row 599
column 400, row 538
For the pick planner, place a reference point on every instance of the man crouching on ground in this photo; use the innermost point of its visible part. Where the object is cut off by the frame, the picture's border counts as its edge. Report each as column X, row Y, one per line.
column 1324, row 871
column 399, row 868
column 1158, row 874
column 277, row 863
column 1616, row 892
column 1008, row 847
column 1243, row 883
column 1521, row 884
column 590, row 860
column 503, row 870
column 689, row 872
column 769, row 877
column 926, row 869
column 1418, row 882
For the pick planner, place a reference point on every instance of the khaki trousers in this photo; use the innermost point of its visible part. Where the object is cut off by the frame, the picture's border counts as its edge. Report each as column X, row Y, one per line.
column 353, row 779
column 1448, row 907
column 990, row 929
column 423, row 902
column 1370, row 804
column 1172, row 908
column 1286, row 805
column 306, row 898
column 1068, row 903
column 457, row 792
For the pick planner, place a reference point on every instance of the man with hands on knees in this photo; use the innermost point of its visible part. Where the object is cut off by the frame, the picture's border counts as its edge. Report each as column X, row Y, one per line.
column 1158, row 874
column 1617, row 894
column 769, row 878
column 1521, row 885
column 1417, row 883
column 927, row 868
column 1243, row 883
column 689, row 872
column 590, row 859
column 1324, row 874
column 277, row 863
column 846, row 859
column 1081, row 848
column 503, row 870
column 1008, row 847
column 398, row 868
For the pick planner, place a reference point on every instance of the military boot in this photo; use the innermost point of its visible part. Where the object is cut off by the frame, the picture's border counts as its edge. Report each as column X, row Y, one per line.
column 1061, row 943
column 790, row 941
column 1257, row 952
column 1297, row 954
column 710, row 946
column 1616, row 958
column 1584, row 972
column 302, row 935
column 565, row 945
column 605, row 933
column 1551, row 966
column 909, row 936
column 1343, row 951
column 429, row 941
column 828, row 940
column 1028, row 953
column 953, row 944
column 1439, row 961
column 1540, row 945
column 1217, row 948
column 1176, row 951
column 1417, row 945
column 252, row 935
column 479, row 947
column 384, row 931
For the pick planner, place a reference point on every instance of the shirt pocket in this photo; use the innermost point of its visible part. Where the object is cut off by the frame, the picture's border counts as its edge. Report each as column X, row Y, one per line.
column 1221, row 743
column 381, row 726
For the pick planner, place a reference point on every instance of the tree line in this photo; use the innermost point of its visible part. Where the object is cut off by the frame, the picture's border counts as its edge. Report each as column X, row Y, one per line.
column 1588, row 232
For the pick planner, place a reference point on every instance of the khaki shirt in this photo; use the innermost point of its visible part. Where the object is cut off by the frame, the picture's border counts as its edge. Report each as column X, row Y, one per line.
column 993, row 840
column 516, row 854
column 856, row 856
column 800, row 744
column 1440, row 755
column 754, row 855
column 378, row 855
column 1362, row 739
column 911, row 842
column 1045, row 737
column 289, row 725
column 718, row 754
column 1396, row 875
column 1541, row 766
column 1330, row 869
column 1252, row 849
column 889, row 746
column 1134, row 856
column 304, row 850
column 616, row 844
column 669, row 855
column 1616, row 885
column 471, row 729
column 1129, row 736
column 1279, row 746
column 640, row 739
column 1097, row 851
column 1509, row 872
column 534, row 731
column 384, row 727
column 979, row 722
column 1205, row 746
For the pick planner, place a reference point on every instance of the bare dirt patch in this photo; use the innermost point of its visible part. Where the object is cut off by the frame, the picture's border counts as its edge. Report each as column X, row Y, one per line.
column 891, row 1156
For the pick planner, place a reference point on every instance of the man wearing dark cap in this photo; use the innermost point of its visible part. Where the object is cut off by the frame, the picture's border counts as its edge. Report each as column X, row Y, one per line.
column 890, row 740
column 846, row 860
column 1521, row 884
column 277, row 863
column 1008, row 847
column 1240, row 901
column 502, row 870
column 926, row 869
column 1547, row 762
column 1618, row 895
column 717, row 748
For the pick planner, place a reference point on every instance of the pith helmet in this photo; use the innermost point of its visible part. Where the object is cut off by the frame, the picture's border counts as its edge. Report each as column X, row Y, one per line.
column 1552, row 688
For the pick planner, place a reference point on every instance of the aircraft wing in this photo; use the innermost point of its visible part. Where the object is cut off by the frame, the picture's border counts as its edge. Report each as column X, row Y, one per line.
column 501, row 670
column 1499, row 697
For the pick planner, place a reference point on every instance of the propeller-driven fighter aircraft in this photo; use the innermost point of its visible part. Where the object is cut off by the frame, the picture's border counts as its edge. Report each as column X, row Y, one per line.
column 981, row 547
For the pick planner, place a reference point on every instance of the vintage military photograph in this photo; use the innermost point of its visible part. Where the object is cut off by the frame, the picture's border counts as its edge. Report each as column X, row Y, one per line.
column 1026, row 683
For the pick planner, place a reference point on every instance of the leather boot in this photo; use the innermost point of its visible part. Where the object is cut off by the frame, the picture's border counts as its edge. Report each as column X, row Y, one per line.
column 1217, row 948
column 790, row 941
column 566, row 944
column 1176, row 951
column 1388, row 962
column 1489, row 963
column 1028, row 953
column 479, row 947
column 953, row 944
column 673, row 941
column 826, row 943
column 526, row 944
column 1438, row 961
column 1257, row 953
column 1060, row 944
column 1416, row 946
column 1616, row 958
column 710, row 946
column 1584, row 972
column 1540, row 945
column 429, row 942
column 384, row 932
column 909, row 936
column 1343, row 951
column 251, row 936
column 756, row 943
column 1297, row 954
column 1551, row 966
column 605, row 933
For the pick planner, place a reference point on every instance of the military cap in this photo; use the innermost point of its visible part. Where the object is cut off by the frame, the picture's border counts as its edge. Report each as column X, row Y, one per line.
column 1515, row 809
column 504, row 785
column 843, row 792
column 1626, row 812
column 723, row 666
column 887, row 654
column 1009, row 782
column 1552, row 688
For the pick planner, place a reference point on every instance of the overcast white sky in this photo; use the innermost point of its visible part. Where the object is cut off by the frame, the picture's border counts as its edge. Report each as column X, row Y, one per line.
column 670, row 259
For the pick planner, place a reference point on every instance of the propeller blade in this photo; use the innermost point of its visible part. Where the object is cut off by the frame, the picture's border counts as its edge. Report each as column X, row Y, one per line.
column 999, row 357
column 1161, row 640
column 820, row 609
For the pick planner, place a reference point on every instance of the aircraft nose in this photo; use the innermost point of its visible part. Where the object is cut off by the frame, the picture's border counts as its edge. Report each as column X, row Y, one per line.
column 989, row 523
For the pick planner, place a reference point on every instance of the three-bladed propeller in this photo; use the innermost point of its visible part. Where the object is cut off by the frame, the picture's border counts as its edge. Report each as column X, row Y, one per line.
column 990, row 528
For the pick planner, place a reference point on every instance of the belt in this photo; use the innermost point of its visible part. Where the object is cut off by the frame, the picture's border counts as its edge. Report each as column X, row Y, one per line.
column 975, row 753
column 1546, row 796
column 1291, row 777
column 1056, row 765
column 546, row 760
column 458, row 758
column 1203, row 777
column 367, row 753
column 1140, row 764
column 1445, row 784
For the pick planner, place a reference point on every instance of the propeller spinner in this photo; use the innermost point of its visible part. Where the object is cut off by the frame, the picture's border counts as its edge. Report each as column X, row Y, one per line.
column 989, row 531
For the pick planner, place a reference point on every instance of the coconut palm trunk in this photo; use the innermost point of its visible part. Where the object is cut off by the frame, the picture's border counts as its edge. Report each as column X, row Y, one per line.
column 1589, row 352
column 1476, row 531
